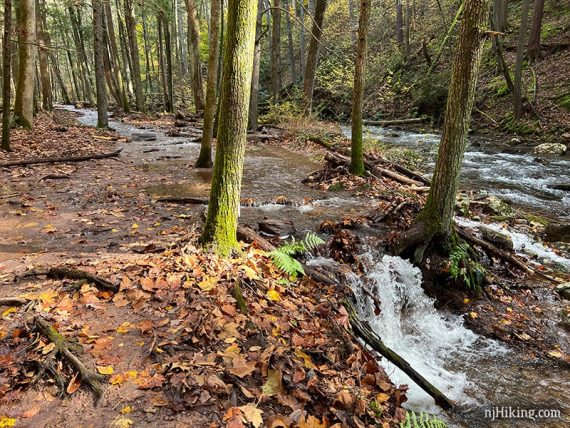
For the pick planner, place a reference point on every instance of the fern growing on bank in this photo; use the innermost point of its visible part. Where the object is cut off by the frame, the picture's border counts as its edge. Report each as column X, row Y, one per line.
column 463, row 268
column 422, row 420
column 284, row 259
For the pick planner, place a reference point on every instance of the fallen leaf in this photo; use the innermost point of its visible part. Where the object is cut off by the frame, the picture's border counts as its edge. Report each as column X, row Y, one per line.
column 273, row 295
column 273, row 384
column 105, row 370
column 74, row 384
column 473, row 315
column 252, row 415
column 48, row 348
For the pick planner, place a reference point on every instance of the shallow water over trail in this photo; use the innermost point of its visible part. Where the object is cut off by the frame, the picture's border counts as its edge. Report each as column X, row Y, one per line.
column 474, row 371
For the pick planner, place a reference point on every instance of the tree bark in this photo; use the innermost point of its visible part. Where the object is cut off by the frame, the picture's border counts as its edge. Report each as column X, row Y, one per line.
column 357, row 155
column 161, row 61
column 313, row 56
column 6, row 75
column 437, row 216
column 223, row 209
column 24, row 103
column 134, row 51
column 99, row 52
column 118, row 69
column 47, row 96
column 169, row 69
column 81, row 54
column 205, row 158
column 276, row 51
column 194, row 49
column 302, row 42
column 254, row 97
column 291, row 10
column 535, row 29
column 399, row 23
column 517, row 88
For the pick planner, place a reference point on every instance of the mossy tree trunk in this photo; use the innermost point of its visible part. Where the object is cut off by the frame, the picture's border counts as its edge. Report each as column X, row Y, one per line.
column 205, row 158
column 223, row 209
column 6, row 75
column 99, row 50
column 436, row 218
column 517, row 88
column 24, row 103
column 357, row 156
column 535, row 29
column 194, row 48
column 313, row 56
column 254, row 97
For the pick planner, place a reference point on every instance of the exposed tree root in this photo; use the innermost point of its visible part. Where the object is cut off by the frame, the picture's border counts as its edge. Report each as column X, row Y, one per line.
column 13, row 301
column 362, row 330
column 64, row 159
column 94, row 380
column 61, row 272
column 183, row 200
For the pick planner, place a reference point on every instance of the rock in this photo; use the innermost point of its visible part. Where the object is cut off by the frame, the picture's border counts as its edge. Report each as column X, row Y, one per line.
column 179, row 115
column 564, row 290
column 557, row 232
column 566, row 136
column 276, row 227
column 499, row 207
column 550, row 149
column 565, row 187
column 180, row 123
column 499, row 239
column 143, row 136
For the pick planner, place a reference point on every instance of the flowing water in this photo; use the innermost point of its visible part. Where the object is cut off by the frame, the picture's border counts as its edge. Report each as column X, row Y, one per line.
column 475, row 372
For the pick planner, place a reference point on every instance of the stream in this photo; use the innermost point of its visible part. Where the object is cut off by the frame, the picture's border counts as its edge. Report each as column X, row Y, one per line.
column 474, row 371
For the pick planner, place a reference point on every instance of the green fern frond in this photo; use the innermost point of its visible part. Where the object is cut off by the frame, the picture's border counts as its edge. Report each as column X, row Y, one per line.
column 422, row 420
column 286, row 263
column 284, row 259
column 312, row 241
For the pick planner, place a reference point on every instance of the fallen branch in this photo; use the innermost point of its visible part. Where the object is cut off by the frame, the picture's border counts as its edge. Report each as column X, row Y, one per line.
column 13, row 301
column 183, row 200
column 54, row 177
column 94, row 380
column 395, row 121
column 363, row 330
column 59, row 272
column 60, row 159
column 11, row 195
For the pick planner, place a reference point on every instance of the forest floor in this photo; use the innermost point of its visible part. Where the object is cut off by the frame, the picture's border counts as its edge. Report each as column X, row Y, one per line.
column 173, row 342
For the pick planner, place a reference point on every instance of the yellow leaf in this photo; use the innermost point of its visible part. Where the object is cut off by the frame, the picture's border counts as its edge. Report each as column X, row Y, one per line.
column 473, row 315
column 466, row 300
column 105, row 370
column 124, row 328
column 114, row 230
column 249, row 272
column 50, row 228
column 8, row 312
column 122, row 377
column 273, row 295
column 135, row 226
column 382, row 397
column 122, row 422
column 252, row 415
column 306, row 358
column 273, row 384
column 126, row 410
column 208, row 284
column 48, row 348
column 6, row 422
column 555, row 354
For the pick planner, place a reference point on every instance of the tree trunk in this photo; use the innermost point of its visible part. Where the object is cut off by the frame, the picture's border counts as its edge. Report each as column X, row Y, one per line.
column 99, row 50
column 223, row 210
column 517, row 88
column 161, row 61
column 205, row 158
column 357, row 156
column 399, row 23
column 313, row 56
column 181, row 37
column 254, row 97
column 290, row 10
column 118, row 70
column 81, row 54
column 147, row 53
column 276, row 51
column 47, row 96
column 437, row 216
column 124, row 46
column 194, row 49
column 134, row 50
column 168, row 54
column 407, row 26
column 24, row 103
column 351, row 21
column 6, row 78
column 535, row 29
column 302, row 42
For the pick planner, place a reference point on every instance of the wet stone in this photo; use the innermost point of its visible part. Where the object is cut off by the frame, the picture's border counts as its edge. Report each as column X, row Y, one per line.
column 276, row 227
column 550, row 149
column 558, row 232
column 501, row 240
column 144, row 136
column 564, row 290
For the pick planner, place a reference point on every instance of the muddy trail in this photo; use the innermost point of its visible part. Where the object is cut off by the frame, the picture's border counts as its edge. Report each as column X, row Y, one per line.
column 119, row 214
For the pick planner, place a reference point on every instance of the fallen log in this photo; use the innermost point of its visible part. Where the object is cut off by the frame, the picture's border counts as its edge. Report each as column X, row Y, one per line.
column 395, row 121
column 67, row 159
column 94, row 380
column 13, row 301
column 60, row 272
column 363, row 330
column 183, row 200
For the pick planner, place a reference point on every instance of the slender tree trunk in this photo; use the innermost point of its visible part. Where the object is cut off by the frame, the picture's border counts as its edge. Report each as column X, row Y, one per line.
column 135, row 60
column 6, row 78
column 351, row 15
column 161, row 61
column 313, row 56
column 357, row 158
column 276, row 51
column 118, row 70
column 535, row 29
column 407, row 26
column 168, row 54
column 182, row 37
column 223, row 210
column 302, row 42
column 24, row 103
column 124, row 46
column 517, row 88
column 81, row 55
column 437, row 216
column 99, row 50
column 399, row 23
column 205, row 158
column 47, row 96
column 194, row 48
column 498, row 23
column 254, row 97
column 291, row 10
column 147, row 53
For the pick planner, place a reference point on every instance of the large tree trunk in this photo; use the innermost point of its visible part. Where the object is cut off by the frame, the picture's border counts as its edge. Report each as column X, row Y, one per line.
column 535, row 29
column 291, row 10
column 118, row 70
column 313, row 56
column 205, row 158
column 134, row 50
column 168, row 55
column 302, row 42
column 47, row 96
column 6, row 75
column 24, row 103
column 276, row 51
column 194, row 48
column 99, row 51
column 223, row 210
column 399, row 23
column 357, row 156
column 254, row 97
column 517, row 88
column 437, row 216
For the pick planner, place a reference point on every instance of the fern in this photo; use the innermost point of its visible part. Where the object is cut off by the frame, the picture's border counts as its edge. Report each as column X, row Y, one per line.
column 422, row 420
column 464, row 268
column 284, row 259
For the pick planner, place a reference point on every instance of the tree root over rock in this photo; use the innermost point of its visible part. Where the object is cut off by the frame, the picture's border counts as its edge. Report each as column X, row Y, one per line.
column 94, row 380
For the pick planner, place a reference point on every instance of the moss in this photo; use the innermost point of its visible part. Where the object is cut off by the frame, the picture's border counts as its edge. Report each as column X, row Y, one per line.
column 564, row 102
column 336, row 187
column 533, row 218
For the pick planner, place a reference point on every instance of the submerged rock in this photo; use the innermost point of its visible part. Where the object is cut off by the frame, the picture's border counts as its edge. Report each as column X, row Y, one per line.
column 550, row 149
column 499, row 239
column 564, row 290
column 143, row 136
column 276, row 227
column 557, row 232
